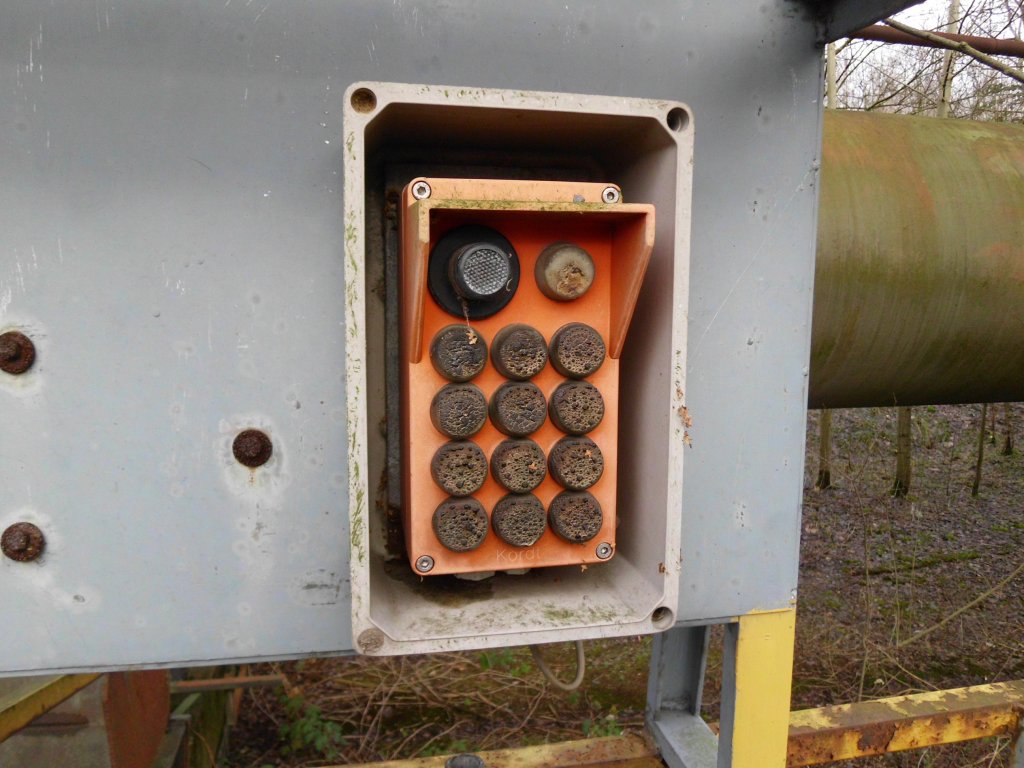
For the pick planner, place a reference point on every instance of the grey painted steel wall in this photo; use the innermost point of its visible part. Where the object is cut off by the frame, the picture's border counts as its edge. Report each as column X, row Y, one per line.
column 172, row 237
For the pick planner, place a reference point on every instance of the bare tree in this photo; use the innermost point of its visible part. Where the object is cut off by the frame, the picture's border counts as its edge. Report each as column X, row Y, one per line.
column 1007, row 430
column 913, row 80
column 824, row 481
column 981, row 452
column 901, row 484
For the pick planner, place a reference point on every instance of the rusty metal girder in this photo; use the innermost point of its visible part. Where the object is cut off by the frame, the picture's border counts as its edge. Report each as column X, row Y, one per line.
column 28, row 698
column 614, row 752
column 232, row 683
column 846, row 731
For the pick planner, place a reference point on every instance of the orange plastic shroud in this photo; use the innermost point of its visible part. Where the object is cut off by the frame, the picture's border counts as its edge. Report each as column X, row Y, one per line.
column 532, row 215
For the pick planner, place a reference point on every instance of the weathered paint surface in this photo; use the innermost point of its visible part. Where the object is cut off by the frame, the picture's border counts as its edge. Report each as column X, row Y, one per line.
column 756, row 686
column 847, row 731
column 919, row 279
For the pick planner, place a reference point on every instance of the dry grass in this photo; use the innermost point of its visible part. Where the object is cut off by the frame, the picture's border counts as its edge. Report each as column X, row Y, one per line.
column 426, row 705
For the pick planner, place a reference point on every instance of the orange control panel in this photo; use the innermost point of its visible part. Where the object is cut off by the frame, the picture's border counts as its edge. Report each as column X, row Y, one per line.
column 516, row 299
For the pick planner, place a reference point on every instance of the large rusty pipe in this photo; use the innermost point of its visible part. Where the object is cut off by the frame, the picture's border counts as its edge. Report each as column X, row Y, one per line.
column 919, row 282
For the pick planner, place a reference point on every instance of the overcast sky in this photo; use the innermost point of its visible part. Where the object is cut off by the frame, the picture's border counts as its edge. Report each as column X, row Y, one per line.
column 925, row 14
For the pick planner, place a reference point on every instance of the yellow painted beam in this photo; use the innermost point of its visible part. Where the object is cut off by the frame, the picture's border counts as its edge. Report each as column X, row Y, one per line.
column 22, row 700
column 846, row 731
column 614, row 752
column 763, row 679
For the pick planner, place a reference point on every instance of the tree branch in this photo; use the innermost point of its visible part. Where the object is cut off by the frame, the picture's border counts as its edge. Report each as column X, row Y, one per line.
column 962, row 47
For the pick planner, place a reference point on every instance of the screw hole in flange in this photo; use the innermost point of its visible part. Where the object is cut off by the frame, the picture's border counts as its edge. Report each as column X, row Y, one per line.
column 363, row 100
column 677, row 119
column 662, row 617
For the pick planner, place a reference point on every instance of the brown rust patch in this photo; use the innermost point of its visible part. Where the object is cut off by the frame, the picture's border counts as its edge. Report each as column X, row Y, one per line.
column 875, row 739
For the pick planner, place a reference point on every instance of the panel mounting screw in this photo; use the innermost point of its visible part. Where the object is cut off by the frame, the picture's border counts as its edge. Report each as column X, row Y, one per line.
column 23, row 542
column 604, row 550
column 371, row 640
column 17, row 352
column 611, row 195
column 424, row 563
column 252, row 448
column 421, row 190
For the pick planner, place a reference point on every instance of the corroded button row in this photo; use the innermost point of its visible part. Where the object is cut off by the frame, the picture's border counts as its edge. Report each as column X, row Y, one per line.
column 460, row 467
column 517, row 409
column 459, row 352
column 518, row 519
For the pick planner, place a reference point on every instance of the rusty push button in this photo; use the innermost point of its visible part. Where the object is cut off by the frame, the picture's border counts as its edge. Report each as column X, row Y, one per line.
column 564, row 271
column 518, row 519
column 519, row 352
column 518, row 408
column 459, row 467
column 575, row 516
column 518, row 465
column 458, row 352
column 576, row 463
column 460, row 524
column 459, row 411
column 577, row 350
column 576, row 407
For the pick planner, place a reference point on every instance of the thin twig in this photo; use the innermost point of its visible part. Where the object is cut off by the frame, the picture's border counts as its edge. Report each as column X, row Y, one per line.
column 963, row 609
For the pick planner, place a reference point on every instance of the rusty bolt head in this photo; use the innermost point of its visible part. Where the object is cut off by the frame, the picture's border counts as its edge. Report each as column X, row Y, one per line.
column 252, row 448
column 465, row 760
column 23, row 542
column 17, row 352
column 371, row 640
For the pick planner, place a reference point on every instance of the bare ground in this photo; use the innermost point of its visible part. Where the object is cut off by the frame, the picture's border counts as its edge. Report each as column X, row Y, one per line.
column 875, row 573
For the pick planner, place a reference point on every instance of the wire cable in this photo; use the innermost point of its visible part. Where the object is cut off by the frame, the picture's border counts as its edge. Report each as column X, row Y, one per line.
column 581, row 668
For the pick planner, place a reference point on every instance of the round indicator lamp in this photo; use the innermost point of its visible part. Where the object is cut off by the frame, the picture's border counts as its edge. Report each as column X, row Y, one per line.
column 479, row 271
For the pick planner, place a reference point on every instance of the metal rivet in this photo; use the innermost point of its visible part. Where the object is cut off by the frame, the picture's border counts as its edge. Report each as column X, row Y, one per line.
column 611, row 195
column 23, row 542
column 604, row 550
column 252, row 448
column 424, row 563
column 17, row 352
column 421, row 190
